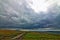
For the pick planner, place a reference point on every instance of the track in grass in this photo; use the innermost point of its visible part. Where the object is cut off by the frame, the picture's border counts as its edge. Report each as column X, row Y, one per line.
column 23, row 35
column 10, row 34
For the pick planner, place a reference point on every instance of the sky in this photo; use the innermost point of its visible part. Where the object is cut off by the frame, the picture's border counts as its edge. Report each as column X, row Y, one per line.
column 30, row 14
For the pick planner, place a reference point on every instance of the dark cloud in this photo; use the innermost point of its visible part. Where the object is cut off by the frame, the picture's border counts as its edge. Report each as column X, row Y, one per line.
column 17, row 14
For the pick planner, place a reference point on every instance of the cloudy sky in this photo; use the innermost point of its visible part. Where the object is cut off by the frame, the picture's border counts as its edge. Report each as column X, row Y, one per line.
column 30, row 14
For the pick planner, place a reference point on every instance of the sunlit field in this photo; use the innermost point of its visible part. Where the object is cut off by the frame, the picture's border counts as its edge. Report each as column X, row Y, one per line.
column 16, row 35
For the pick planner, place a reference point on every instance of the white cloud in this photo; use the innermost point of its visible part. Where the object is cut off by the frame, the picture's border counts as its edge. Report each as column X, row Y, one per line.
column 41, row 5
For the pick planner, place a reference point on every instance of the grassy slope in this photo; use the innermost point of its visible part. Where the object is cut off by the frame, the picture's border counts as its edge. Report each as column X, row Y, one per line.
column 41, row 36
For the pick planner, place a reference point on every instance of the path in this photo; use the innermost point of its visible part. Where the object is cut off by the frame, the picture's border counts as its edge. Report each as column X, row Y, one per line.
column 19, row 37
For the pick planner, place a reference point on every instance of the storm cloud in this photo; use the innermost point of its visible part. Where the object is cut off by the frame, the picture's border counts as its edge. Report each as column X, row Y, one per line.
column 19, row 14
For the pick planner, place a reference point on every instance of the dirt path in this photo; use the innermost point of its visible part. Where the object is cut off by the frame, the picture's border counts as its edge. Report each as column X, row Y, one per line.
column 19, row 37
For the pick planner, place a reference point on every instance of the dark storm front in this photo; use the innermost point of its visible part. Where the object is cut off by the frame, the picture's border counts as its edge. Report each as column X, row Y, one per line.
column 20, row 14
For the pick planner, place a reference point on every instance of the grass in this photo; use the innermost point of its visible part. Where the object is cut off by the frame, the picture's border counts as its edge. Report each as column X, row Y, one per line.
column 41, row 36
column 8, row 34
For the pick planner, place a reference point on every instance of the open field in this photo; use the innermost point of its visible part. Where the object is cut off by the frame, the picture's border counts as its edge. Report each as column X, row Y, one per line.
column 8, row 34
column 41, row 36
column 23, row 35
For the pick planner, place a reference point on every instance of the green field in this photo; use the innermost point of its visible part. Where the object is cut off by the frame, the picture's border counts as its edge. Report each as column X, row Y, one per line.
column 9, row 34
column 41, row 36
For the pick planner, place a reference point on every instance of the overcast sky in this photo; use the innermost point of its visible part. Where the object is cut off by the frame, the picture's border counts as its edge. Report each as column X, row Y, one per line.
column 30, row 14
